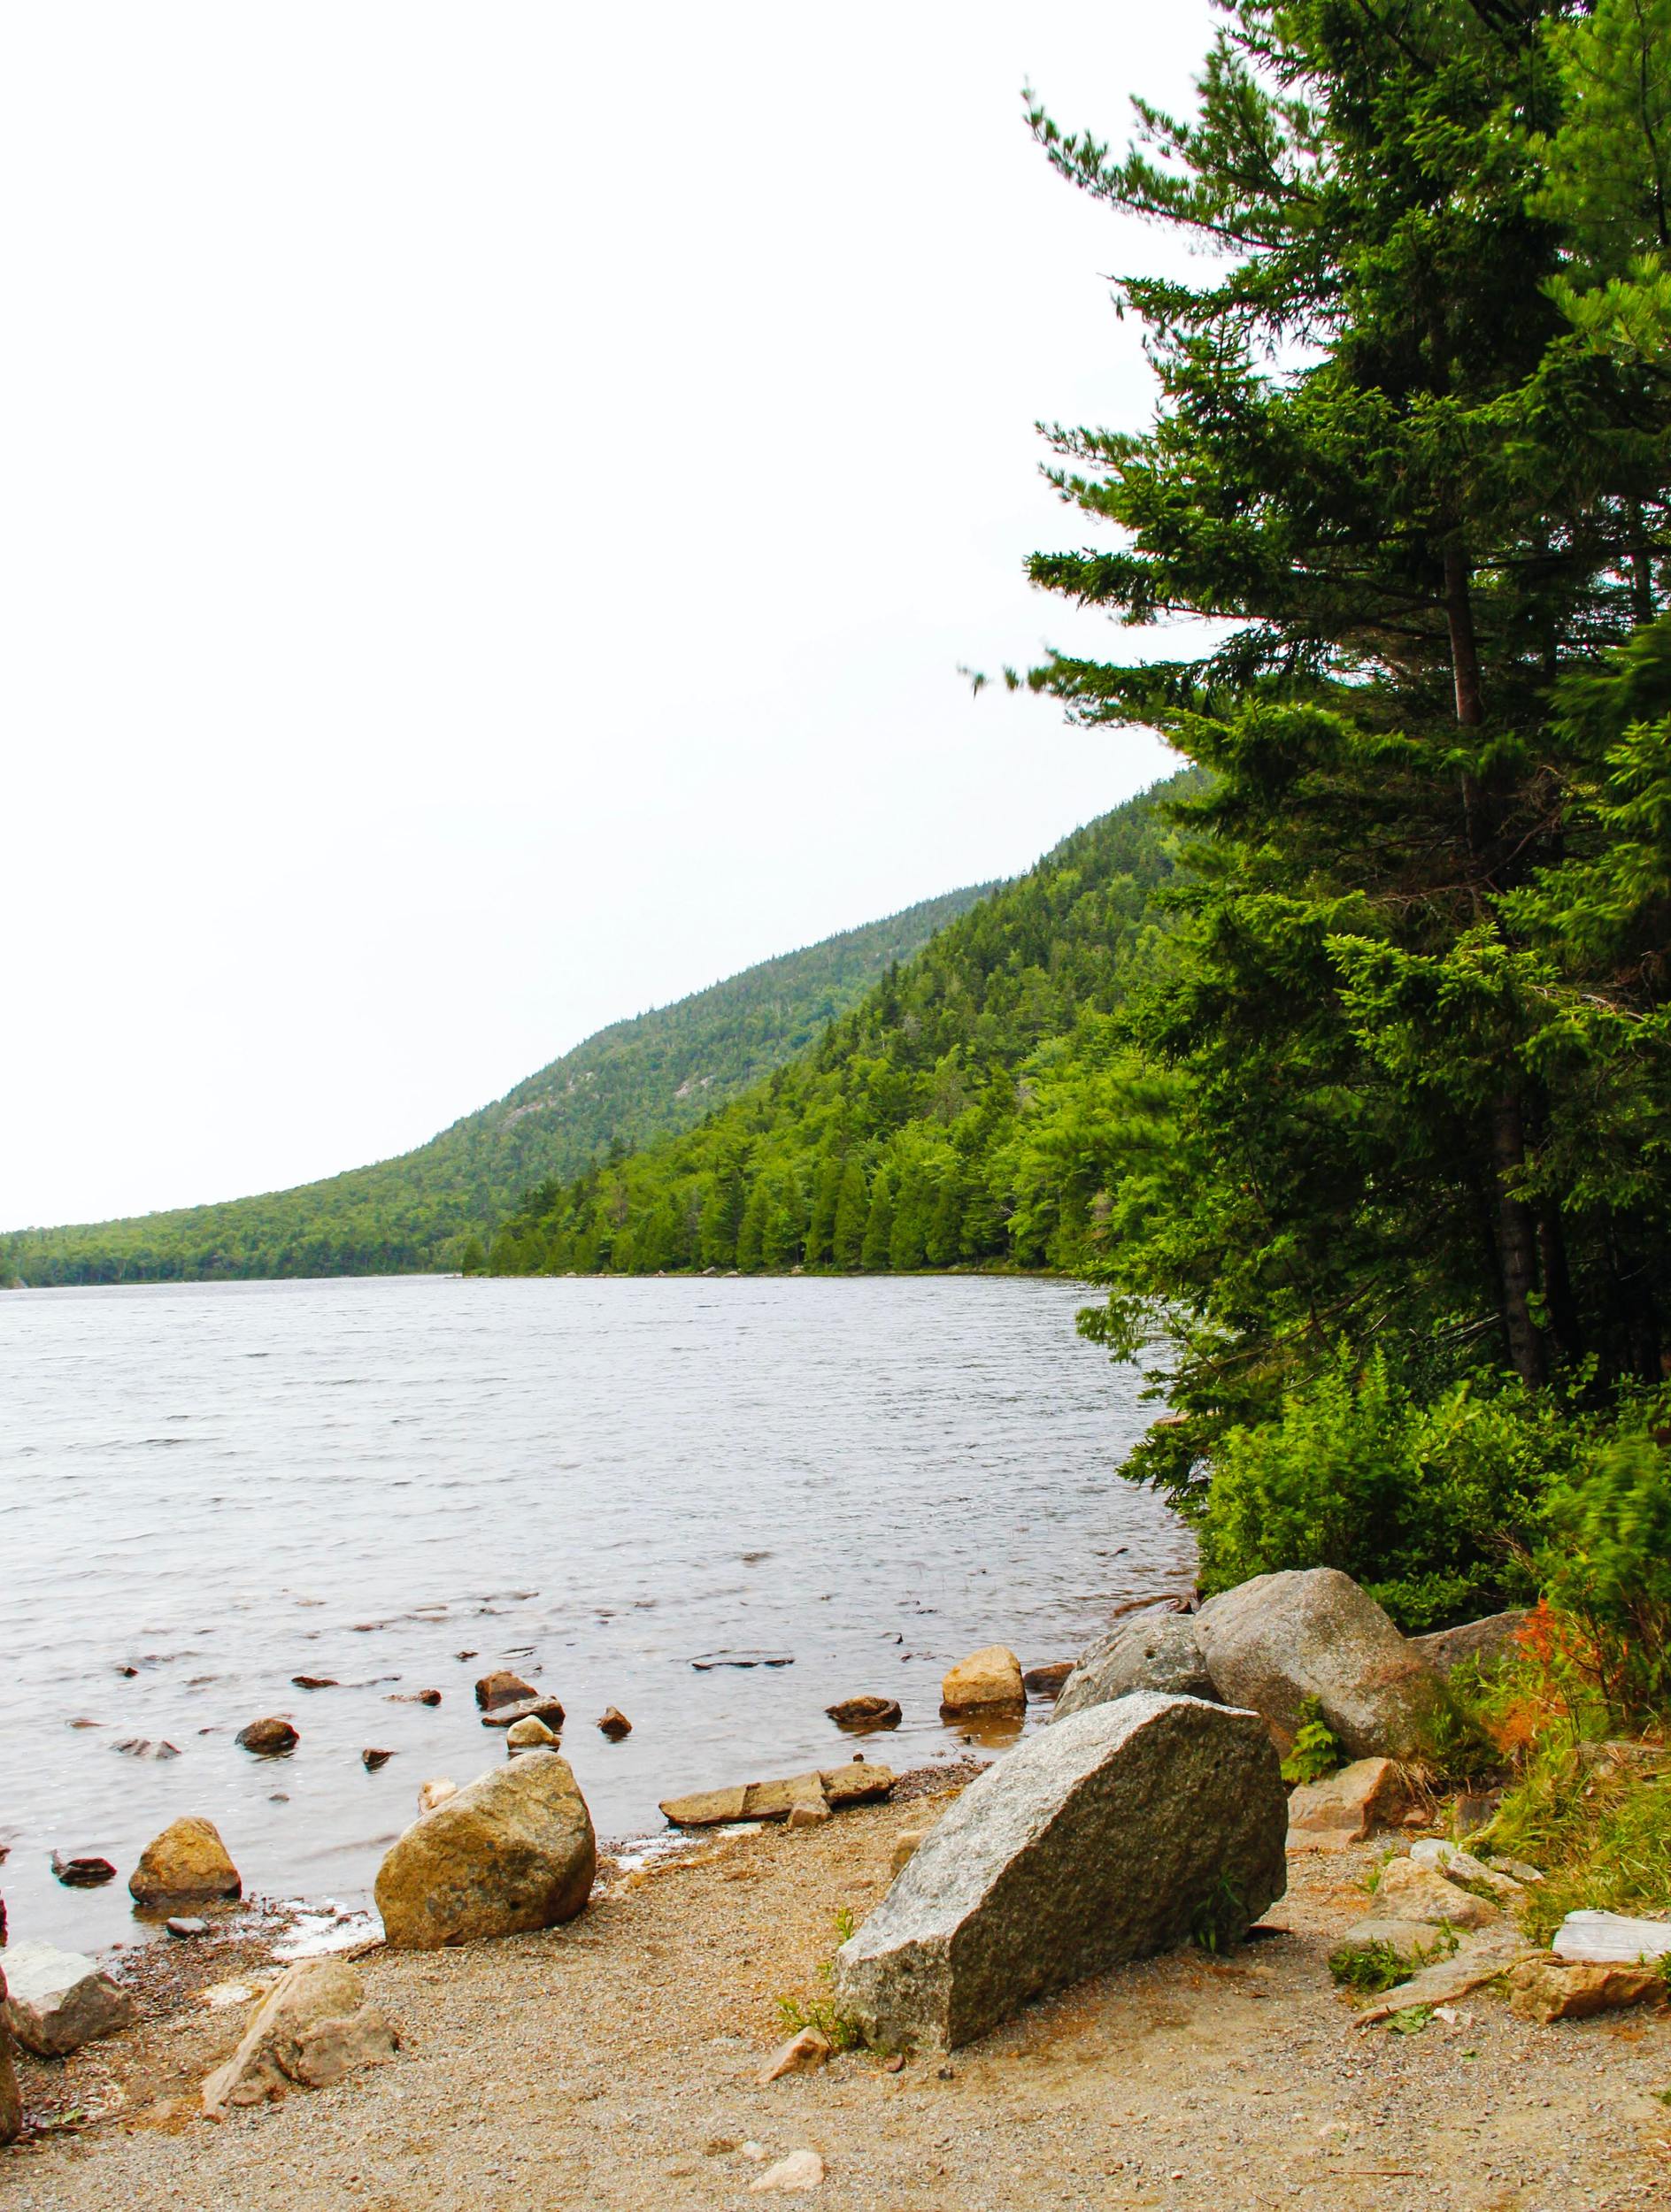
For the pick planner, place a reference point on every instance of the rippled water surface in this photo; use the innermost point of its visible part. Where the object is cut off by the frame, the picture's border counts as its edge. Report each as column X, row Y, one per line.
column 402, row 1482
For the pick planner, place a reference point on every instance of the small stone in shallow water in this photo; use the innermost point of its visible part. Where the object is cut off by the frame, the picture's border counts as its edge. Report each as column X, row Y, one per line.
column 372, row 1760
column 614, row 1724
column 313, row 1681
column 87, row 1873
column 502, row 1687
column 146, row 1747
column 864, row 1712
column 709, row 1660
column 436, row 1791
column 183, row 1926
column 270, row 1739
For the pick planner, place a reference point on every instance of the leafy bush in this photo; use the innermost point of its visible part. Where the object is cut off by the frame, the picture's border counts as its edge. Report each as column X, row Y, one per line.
column 1607, row 1565
column 1432, row 1507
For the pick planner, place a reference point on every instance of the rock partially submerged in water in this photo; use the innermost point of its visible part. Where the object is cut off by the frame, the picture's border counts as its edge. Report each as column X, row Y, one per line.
column 1282, row 1641
column 866, row 1712
column 538, row 1706
column 1119, row 1832
column 501, row 1687
column 187, row 1864
column 313, row 2027
column 57, row 2000
column 1046, row 1681
column 988, row 1680
column 436, row 1791
column 89, row 1873
column 273, row 1738
column 857, row 1783
column 612, row 1723
column 511, row 1851
column 1155, row 1650
column 530, row 1734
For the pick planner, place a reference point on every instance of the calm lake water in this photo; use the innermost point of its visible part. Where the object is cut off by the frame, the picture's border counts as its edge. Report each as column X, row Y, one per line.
column 403, row 1482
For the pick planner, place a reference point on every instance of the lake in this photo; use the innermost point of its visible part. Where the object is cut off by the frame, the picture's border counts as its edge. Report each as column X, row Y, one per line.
column 401, row 1482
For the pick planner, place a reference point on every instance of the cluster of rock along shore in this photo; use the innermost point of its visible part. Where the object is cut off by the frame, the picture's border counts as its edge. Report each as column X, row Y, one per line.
column 1152, row 1811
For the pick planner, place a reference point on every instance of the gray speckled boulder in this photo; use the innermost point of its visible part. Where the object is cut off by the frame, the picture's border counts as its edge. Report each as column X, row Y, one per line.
column 1282, row 1639
column 1156, row 1651
column 1489, row 1642
column 1115, row 1833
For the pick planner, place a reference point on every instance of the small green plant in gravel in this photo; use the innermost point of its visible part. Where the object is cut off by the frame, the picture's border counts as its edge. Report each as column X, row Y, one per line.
column 1412, row 2020
column 1317, row 1753
column 839, row 2033
column 1367, row 1969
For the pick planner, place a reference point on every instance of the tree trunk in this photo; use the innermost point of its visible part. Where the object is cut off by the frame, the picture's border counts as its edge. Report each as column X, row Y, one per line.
column 1517, row 1239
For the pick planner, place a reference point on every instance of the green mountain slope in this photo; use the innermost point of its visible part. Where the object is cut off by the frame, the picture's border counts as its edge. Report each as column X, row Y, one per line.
column 963, row 1114
column 661, row 1072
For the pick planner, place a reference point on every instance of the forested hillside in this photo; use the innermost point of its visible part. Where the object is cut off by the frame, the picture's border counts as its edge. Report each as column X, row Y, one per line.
column 661, row 1071
column 961, row 1115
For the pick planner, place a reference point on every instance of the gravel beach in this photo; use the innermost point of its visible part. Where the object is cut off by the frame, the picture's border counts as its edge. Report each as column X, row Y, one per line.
column 612, row 2064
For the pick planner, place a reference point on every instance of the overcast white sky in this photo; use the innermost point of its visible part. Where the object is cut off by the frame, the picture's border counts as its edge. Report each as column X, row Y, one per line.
column 494, row 500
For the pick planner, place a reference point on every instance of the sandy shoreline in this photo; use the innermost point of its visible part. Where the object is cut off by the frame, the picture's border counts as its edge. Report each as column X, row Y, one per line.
column 611, row 2063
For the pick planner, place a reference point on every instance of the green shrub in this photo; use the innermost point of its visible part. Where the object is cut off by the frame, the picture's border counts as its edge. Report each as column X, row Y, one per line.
column 1316, row 1751
column 1367, row 1969
column 1607, row 1564
column 1432, row 1507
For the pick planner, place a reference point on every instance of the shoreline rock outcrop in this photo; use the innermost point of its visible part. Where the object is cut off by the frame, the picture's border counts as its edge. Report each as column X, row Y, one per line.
column 1117, row 1833
column 857, row 1783
column 514, row 1850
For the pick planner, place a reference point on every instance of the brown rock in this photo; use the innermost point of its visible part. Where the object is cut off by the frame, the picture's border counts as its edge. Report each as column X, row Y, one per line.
column 987, row 1678
column 511, row 1851
column 313, row 2027
column 313, row 1681
column 855, row 1784
column 270, row 1739
column 811, row 1812
column 803, row 2054
column 372, row 1760
column 186, row 1861
column 1046, row 1681
column 614, row 1724
column 536, row 1708
column 1560, row 1989
column 1327, row 1816
column 866, row 1712
column 82, row 1873
column 500, row 1687
column 10, row 2101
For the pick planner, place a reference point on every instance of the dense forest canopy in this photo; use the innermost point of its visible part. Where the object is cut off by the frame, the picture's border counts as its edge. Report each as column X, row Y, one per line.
column 439, row 1205
column 939, row 1124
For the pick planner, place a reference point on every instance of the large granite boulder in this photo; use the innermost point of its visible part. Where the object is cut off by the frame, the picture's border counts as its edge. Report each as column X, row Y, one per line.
column 1115, row 1833
column 10, row 2101
column 187, row 1864
column 1156, row 1651
column 1487, row 1642
column 1281, row 1640
column 313, row 2026
column 57, row 2000
column 514, row 1850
